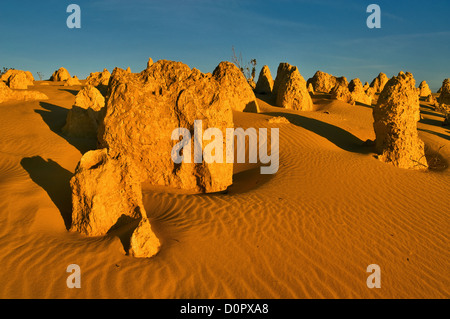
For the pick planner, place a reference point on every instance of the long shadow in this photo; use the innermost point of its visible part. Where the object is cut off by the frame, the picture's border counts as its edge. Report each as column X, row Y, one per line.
column 55, row 117
column 73, row 92
column 447, row 137
column 55, row 180
column 334, row 134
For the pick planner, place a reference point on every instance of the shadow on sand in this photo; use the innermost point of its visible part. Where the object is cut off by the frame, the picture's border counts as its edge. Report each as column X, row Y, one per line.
column 55, row 117
column 55, row 180
column 339, row 137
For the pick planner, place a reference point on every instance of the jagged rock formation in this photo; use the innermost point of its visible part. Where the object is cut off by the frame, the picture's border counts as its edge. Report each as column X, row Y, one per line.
column 60, row 75
column 72, row 81
column 265, row 81
column 142, row 111
column 357, row 91
column 341, row 92
column 395, row 123
column 322, row 82
column 7, row 94
column 234, row 88
column 99, row 78
column 290, row 89
column 18, row 79
column 379, row 82
column 310, row 88
column 366, row 86
column 107, row 195
column 86, row 114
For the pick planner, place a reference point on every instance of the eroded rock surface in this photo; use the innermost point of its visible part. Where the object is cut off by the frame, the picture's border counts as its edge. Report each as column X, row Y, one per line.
column 234, row 88
column 144, row 108
column 107, row 195
column 322, row 82
column 395, row 123
column 290, row 89
column 379, row 82
column 60, row 75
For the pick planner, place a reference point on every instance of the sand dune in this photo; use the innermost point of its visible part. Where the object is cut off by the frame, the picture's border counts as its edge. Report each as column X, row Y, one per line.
column 310, row 231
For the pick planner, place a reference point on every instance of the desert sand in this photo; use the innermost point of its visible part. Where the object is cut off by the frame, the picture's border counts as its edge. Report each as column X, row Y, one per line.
column 309, row 231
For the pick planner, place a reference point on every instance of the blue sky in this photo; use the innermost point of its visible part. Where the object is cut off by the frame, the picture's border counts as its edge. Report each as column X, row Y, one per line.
column 327, row 35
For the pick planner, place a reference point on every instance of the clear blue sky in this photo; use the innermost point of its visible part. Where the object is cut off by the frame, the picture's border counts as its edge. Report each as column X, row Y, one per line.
column 327, row 35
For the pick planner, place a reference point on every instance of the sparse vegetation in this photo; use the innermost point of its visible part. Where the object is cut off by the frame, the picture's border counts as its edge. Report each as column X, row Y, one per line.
column 4, row 70
column 248, row 69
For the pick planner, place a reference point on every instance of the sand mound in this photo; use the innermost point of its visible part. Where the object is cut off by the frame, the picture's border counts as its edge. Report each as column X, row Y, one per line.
column 395, row 123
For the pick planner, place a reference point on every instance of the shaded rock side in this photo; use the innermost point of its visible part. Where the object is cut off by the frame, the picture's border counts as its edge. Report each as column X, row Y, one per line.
column 290, row 89
column 144, row 109
column 86, row 114
column 395, row 123
column 265, row 81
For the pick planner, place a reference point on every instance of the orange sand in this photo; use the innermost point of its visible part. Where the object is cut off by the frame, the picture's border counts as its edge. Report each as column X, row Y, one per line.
column 310, row 231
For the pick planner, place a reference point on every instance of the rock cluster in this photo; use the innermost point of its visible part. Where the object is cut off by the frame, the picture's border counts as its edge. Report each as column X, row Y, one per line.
column 107, row 195
column 60, row 75
column 7, row 94
column 265, row 81
column 341, row 91
column 379, row 82
column 86, row 114
column 290, row 89
column 18, row 79
column 143, row 109
column 234, row 88
column 395, row 123
column 100, row 80
column 358, row 93
column 322, row 82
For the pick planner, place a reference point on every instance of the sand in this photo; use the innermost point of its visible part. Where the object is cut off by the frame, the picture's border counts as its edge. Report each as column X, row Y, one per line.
column 310, row 231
